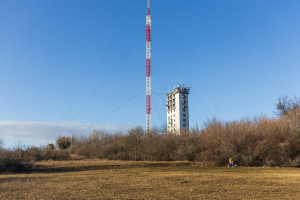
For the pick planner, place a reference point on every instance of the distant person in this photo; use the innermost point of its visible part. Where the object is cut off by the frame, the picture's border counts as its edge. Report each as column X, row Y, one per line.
column 231, row 163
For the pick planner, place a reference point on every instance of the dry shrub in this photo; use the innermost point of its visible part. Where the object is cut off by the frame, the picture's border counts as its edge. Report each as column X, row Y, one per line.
column 256, row 142
column 205, row 156
column 249, row 142
column 14, row 161
column 57, row 155
column 295, row 162
column 261, row 141
column 33, row 154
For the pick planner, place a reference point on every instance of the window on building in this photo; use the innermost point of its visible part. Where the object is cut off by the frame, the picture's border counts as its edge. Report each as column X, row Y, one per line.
column 184, row 115
column 183, row 110
column 183, row 120
column 184, row 125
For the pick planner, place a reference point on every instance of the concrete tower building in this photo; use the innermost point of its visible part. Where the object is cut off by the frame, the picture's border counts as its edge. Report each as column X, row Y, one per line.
column 178, row 109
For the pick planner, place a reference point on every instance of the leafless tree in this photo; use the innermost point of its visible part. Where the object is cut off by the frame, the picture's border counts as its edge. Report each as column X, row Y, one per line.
column 134, row 141
column 286, row 105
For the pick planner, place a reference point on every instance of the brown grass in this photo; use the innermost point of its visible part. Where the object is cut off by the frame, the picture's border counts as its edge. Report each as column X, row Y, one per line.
column 94, row 179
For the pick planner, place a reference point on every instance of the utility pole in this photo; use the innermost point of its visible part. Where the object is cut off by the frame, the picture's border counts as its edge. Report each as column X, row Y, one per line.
column 71, row 140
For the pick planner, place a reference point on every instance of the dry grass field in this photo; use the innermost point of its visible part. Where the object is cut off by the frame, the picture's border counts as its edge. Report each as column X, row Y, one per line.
column 94, row 179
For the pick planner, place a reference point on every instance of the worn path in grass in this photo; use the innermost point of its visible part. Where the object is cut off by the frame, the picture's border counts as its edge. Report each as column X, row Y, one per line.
column 93, row 179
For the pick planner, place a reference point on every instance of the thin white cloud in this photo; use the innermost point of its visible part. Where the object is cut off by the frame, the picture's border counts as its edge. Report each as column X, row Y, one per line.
column 41, row 133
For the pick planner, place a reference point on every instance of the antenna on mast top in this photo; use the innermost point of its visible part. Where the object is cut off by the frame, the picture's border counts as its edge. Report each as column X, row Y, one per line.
column 148, row 7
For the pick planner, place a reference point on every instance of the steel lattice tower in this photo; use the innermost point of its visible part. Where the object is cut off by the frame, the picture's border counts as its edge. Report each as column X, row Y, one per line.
column 148, row 68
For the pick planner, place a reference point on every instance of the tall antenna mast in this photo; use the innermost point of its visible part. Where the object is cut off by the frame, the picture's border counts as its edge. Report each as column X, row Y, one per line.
column 148, row 68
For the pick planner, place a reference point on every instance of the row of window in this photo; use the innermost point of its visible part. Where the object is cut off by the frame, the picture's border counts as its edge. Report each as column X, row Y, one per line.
column 170, row 101
column 184, row 125
column 170, row 96
column 171, row 111
column 182, row 120
column 183, row 110
column 174, row 114
column 172, row 125
column 171, row 107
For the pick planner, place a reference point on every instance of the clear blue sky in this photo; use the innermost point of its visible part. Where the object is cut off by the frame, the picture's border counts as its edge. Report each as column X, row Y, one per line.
column 70, row 63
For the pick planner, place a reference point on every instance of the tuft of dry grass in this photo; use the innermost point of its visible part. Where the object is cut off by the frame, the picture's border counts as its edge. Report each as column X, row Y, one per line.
column 96, row 179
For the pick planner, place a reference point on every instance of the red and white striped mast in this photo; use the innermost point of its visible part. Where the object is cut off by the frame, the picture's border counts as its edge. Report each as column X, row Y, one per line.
column 148, row 68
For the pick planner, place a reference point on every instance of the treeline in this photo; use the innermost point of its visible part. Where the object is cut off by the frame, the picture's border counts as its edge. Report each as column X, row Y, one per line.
column 249, row 142
column 257, row 142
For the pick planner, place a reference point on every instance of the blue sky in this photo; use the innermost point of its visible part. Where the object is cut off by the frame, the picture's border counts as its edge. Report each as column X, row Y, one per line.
column 74, row 66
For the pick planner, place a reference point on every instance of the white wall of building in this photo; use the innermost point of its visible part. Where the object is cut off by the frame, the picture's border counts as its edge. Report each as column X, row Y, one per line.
column 178, row 110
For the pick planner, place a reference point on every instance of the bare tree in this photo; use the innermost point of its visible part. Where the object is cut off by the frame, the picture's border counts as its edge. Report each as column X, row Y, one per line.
column 286, row 105
column 134, row 141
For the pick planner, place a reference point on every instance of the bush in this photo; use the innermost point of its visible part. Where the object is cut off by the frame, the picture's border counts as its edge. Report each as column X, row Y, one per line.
column 13, row 161
column 58, row 155
column 63, row 142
